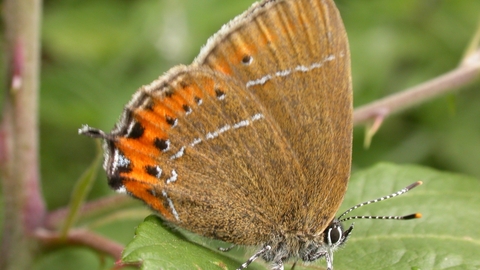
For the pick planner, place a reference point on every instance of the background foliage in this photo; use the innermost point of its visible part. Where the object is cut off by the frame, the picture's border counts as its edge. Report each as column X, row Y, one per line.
column 97, row 53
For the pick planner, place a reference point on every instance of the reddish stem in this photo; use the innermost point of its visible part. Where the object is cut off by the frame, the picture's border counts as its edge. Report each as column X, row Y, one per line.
column 81, row 237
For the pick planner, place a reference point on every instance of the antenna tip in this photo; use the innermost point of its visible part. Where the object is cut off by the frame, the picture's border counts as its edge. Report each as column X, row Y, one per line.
column 412, row 216
column 416, row 184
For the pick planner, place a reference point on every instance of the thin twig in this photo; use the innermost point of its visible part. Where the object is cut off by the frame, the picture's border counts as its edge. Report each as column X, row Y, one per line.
column 462, row 75
column 55, row 218
column 81, row 237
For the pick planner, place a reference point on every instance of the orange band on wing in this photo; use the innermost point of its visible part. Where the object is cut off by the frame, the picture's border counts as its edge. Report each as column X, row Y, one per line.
column 143, row 191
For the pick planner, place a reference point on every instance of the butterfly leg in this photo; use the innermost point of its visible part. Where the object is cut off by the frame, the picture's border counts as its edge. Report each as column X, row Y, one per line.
column 277, row 265
column 255, row 256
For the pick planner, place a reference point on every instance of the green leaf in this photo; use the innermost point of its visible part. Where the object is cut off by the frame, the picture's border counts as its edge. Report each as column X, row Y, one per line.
column 157, row 246
column 446, row 237
column 80, row 192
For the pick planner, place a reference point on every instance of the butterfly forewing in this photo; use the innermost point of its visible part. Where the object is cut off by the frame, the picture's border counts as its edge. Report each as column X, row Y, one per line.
column 294, row 57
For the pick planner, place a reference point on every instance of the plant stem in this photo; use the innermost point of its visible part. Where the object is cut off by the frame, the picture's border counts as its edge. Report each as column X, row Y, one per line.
column 463, row 74
column 23, row 201
column 95, row 207
column 80, row 237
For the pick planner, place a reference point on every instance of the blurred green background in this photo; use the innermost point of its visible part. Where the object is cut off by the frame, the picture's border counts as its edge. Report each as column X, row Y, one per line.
column 97, row 53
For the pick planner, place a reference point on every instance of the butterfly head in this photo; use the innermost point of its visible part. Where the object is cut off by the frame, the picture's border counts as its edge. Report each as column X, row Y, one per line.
column 334, row 237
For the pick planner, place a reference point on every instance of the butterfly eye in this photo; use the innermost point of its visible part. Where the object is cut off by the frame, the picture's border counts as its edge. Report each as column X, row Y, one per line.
column 334, row 234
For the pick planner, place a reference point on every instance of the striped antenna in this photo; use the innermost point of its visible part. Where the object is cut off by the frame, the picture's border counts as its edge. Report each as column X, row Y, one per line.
column 400, row 192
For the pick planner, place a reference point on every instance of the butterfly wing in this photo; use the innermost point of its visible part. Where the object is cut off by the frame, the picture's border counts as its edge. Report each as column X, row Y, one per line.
column 294, row 57
column 254, row 138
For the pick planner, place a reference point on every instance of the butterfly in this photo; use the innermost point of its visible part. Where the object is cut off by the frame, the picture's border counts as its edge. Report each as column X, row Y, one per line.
column 251, row 143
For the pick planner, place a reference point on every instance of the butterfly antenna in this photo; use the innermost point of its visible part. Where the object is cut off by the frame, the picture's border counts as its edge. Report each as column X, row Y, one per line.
column 400, row 192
